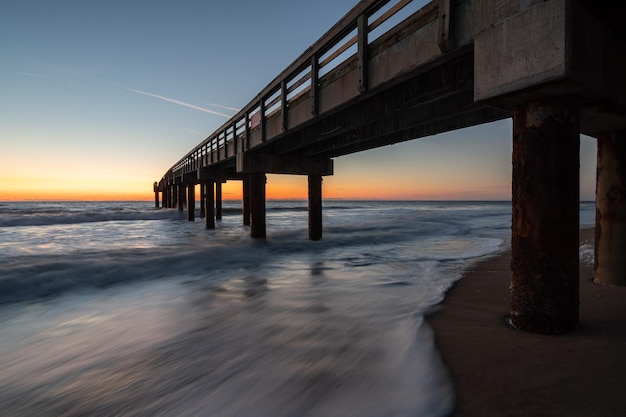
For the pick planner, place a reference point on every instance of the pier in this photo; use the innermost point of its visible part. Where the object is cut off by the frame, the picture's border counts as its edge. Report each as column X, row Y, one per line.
column 555, row 67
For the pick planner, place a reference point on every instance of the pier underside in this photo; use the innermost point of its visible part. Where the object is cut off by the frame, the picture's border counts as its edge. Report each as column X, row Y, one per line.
column 556, row 66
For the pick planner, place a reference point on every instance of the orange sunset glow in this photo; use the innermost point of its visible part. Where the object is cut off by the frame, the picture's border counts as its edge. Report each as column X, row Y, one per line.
column 470, row 164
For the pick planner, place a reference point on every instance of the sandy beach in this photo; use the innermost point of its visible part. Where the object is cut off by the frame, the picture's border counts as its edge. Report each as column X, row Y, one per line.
column 500, row 371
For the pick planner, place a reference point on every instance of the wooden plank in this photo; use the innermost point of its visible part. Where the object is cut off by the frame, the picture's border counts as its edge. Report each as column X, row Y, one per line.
column 305, row 77
column 273, row 102
column 339, row 51
column 389, row 13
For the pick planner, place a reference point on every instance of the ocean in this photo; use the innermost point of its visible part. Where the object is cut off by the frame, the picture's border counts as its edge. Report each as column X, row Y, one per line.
column 121, row 309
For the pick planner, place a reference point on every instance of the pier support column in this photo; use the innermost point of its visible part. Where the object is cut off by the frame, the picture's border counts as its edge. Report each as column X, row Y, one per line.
column 218, row 200
column 315, row 207
column 246, row 201
column 610, row 247
column 202, row 198
column 156, row 195
column 209, row 205
column 181, row 196
column 191, row 202
column 544, row 239
column 257, row 205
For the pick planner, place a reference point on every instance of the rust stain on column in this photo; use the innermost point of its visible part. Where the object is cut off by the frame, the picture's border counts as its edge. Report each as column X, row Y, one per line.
column 610, row 248
column 544, row 239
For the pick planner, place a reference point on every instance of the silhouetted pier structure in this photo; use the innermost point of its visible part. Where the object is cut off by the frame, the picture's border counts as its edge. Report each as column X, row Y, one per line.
column 556, row 67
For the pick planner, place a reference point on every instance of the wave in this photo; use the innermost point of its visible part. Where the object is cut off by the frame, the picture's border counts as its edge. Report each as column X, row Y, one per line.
column 304, row 208
column 47, row 218
column 128, row 246
column 46, row 214
column 32, row 277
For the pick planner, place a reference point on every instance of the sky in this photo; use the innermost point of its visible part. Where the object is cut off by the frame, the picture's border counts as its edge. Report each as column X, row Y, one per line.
column 98, row 99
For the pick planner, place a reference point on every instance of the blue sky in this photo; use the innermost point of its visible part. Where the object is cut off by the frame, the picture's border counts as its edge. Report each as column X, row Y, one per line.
column 102, row 97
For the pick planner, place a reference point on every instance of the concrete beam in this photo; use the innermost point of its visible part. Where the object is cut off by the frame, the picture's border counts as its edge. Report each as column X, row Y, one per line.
column 214, row 175
column 534, row 49
column 521, row 51
column 190, row 177
column 283, row 164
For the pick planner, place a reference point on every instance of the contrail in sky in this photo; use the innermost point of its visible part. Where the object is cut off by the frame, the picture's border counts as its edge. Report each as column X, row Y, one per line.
column 30, row 74
column 220, row 106
column 181, row 103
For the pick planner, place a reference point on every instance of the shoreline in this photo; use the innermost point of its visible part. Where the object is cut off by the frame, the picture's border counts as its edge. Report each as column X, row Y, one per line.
column 500, row 371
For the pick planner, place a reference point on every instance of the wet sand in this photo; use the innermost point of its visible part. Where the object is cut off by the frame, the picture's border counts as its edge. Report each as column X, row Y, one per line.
column 500, row 371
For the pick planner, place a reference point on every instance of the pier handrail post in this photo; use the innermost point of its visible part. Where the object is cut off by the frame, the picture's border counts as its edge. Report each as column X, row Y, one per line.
column 362, row 53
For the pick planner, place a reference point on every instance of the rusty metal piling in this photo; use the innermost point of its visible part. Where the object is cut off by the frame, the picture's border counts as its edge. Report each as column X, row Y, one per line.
column 545, row 218
column 610, row 239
